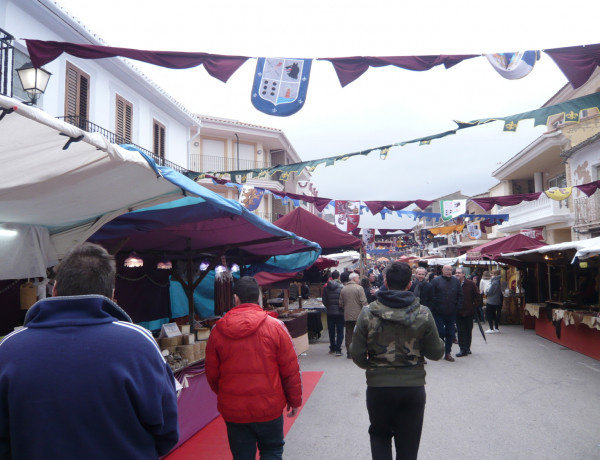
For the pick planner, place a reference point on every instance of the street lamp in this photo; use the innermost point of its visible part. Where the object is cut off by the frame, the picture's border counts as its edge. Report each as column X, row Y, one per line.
column 33, row 80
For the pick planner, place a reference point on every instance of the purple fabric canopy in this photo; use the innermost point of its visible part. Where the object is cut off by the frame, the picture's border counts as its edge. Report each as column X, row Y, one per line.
column 218, row 66
column 349, row 69
column 313, row 228
column 577, row 63
column 508, row 200
column 512, row 243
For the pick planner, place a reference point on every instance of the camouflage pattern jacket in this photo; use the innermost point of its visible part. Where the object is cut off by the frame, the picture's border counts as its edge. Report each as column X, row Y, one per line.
column 392, row 338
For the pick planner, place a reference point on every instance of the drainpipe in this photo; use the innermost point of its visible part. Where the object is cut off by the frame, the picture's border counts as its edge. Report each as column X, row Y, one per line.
column 189, row 145
column 237, row 143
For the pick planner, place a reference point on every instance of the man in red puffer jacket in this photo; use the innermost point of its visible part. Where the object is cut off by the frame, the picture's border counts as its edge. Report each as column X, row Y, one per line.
column 252, row 366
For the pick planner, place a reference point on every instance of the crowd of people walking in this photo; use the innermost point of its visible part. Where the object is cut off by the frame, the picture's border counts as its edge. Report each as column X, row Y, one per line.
column 396, row 319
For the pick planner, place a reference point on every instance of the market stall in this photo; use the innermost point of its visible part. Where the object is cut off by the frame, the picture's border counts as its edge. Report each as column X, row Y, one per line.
column 565, row 305
column 494, row 251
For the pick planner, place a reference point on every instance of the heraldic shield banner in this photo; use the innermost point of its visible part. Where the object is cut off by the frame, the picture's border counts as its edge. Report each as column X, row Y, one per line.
column 280, row 85
column 347, row 215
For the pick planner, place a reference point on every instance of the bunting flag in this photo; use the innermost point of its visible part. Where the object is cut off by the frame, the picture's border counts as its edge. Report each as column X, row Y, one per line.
column 577, row 63
column 280, row 85
column 368, row 237
column 347, row 215
column 251, row 197
column 513, row 66
column 565, row 112
column 451, row 209
column 447, row 230
column 474, row 230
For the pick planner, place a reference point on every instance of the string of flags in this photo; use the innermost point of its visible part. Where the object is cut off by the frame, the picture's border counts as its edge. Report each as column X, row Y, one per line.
column 251, row 196
column 280, row 84
column 554, row 116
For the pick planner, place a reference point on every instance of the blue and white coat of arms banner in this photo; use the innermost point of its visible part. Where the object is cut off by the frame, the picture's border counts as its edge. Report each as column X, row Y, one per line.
column 280, row 85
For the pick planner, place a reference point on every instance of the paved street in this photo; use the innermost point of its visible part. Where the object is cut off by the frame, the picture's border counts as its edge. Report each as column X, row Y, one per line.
column 518, row 397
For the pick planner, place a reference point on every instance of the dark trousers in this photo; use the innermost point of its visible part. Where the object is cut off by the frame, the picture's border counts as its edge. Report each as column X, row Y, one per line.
column 244, row 437
column 395, row 412
column 464, row 324
column 335, row 325
column 445, row 327
column 493, row 315
column 349, row 332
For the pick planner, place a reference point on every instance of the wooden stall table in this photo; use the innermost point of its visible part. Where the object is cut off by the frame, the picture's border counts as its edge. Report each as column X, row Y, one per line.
column 315, row 310
column 297, row 325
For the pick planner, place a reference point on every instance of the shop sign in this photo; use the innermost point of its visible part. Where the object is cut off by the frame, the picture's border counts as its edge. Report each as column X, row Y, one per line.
column 169, row 330
column 474, row 255
column 535, row 233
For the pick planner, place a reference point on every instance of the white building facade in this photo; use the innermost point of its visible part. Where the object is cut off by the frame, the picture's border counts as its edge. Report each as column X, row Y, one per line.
column 107, row 95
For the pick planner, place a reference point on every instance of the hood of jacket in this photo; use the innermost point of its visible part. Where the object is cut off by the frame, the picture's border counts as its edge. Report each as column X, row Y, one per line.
column 398, row 306
column 242, row 321
column 333, row 285
column 82, row 310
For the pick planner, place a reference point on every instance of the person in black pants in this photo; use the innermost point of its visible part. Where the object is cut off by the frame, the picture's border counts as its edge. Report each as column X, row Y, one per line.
column 391, row 340
column 493, row 306
column 466, row 313
column 335, row 316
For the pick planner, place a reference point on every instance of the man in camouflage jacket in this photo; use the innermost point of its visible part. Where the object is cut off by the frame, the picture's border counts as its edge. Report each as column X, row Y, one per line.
column 392, row 338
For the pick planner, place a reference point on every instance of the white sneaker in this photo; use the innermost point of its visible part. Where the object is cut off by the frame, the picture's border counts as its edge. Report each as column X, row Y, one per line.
column 496, row 331
column 490, row 331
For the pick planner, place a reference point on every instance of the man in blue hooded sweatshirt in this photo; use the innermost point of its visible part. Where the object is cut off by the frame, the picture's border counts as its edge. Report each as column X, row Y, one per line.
column 392, row 338
column 80, row 381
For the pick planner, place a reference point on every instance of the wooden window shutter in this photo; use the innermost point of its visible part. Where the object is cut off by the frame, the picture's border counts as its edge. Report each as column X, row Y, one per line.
column 123, row 120
column 77, row 96
column 159, row 139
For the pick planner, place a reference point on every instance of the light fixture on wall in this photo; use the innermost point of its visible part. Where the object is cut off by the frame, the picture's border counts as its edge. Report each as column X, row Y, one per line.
column 164, row 264
column 134, row 261
column 33, row 80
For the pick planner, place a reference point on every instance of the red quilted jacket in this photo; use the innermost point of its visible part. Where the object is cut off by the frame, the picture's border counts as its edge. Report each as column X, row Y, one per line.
column 252, row 366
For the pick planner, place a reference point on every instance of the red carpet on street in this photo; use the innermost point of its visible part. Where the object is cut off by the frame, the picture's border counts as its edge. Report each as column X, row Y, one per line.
column 210, row 443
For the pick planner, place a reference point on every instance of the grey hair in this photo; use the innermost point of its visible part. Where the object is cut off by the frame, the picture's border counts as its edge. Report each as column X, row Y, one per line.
column 354, row 276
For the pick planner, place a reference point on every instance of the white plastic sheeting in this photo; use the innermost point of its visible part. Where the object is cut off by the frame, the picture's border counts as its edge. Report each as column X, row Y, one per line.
column 72, row 192
column 25, row 251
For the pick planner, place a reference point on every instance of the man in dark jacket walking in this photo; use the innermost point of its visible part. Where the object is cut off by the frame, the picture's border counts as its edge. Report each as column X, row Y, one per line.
column 392, row 338
column 421, row 287
column 466, row 313
column 447, row 299
column 335, row 316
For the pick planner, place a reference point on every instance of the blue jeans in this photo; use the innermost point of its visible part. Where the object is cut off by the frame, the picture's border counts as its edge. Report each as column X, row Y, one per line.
column 446, row 329
column 244, row 437
column 335, row 326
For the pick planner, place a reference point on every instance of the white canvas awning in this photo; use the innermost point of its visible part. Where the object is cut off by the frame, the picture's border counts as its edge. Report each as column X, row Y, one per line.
column 70, row 190
column 583, row 249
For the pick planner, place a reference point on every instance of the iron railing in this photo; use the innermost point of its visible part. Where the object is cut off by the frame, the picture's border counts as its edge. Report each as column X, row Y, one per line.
column 90, row 127
column 6, row 63
column 204, row 163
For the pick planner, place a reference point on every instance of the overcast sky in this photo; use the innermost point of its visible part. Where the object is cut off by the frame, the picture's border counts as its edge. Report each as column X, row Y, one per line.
column 385, row 105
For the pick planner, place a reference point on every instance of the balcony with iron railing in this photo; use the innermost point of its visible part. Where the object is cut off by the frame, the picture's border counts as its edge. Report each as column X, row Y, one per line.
column 587, row 211
column 206, row 163
column 540, row 212
column 90, row 127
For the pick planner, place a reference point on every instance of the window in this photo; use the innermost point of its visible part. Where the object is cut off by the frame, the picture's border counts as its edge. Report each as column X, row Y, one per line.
column 77, row 96
column 123, row 120
column 158, row 139
column 17, row 89
column 559, row 181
